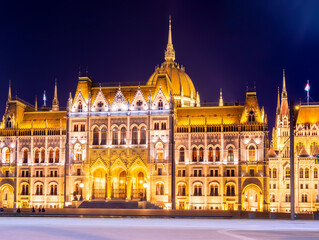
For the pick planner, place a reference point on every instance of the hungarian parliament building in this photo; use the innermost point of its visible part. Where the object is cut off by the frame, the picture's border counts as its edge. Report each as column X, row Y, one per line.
column 157, row 143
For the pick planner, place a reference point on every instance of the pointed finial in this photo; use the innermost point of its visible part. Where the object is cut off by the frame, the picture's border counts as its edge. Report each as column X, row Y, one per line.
column 9, row 92
column 100, row 87
column 55, row 101
column 170, row 52
column 119, row 86
column 221, row 101
column 284, row 91
column 44, row 99
column 278, row 102
column 36, row 103
column 79, row 71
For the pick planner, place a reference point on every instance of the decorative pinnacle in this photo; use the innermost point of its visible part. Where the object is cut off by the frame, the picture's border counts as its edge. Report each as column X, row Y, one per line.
column 170, row 52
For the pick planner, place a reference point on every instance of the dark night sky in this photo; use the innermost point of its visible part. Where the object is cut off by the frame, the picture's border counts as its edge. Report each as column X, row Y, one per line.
column 222, row 44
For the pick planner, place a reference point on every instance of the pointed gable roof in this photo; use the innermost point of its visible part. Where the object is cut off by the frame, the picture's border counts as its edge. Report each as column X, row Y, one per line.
column 303, row 152
column 272, row 153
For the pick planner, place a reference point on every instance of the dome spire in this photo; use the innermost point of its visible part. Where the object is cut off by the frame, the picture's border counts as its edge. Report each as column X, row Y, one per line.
column 170, row 52
column 221, row 101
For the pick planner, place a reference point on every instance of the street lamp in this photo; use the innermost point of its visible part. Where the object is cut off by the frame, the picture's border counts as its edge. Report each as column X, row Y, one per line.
column 145, row 186
column 81, row 186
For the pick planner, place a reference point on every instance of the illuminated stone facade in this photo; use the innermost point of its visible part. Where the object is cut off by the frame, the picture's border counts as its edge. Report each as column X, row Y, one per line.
column 126, row 142
column 306, row 149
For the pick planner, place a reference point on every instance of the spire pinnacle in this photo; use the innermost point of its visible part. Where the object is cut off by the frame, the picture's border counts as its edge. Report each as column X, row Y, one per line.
column 221, row 101
column 284, row 91
column 278, row 103
column 36, row 104
column 55, row 101
column 170, row 52
column 9, row 91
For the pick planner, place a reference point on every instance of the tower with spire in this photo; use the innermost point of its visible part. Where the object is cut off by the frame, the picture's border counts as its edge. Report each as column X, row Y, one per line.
column 9, row 91
column 55, row 101
column 170, row 52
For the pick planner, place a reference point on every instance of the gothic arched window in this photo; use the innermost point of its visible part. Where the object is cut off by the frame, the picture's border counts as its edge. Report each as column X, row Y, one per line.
column 134, row 135
column 181, row 154
column 96, row 136
column 160, row 105
column 80, row 107
column 143, row 135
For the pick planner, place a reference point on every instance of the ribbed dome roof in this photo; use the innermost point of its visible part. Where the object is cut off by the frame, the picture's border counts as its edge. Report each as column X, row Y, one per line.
column 181, row 83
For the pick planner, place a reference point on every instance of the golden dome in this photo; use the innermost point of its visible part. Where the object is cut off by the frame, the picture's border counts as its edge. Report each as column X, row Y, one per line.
column 178, row 82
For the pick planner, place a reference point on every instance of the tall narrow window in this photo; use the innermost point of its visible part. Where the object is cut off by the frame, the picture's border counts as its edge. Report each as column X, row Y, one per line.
column 42, row 155
column 77, row 152
column 194, row 154
column 182, row 154
column 251, row 153
column 159, row 151
column 159, row 188
column 301, row 173
column 80, row 107
column 287, row 172
column 57, row 156
column 230, row 154
column 251, row 116
column 51, row 156
column 181, row 190
column 217, row 154
column 160, row 105
column 274, row 173
column 36, row 156
column 96, row 136
column 134, row 135
column 7, row 155
column 313, row 147
column 143, row 135
column 197, row 190
column 123, row 135
column 315, row 173
column 201, row 154
column 306, row 173
column 103, row 136
column 25, row 156
column 210, row 154
column 115, row 137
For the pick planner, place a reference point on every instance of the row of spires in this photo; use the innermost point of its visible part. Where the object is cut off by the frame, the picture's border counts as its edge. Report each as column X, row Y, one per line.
column 55, row 101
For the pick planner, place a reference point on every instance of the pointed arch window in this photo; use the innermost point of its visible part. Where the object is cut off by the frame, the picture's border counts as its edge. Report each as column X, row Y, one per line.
column 51, row 156
column 251, row 153
column 301, row 173
column 182, row 154
column 159, row 151
column 274, row 173
column 315, row 173
column 159, row 188
column 160, row 104
column 194, row 154
column 36, row 156
column 103, row 136
column 306, row 173
column 201, row 154
column 115, row 137
column 123, row 135
column 230, row 190
column 96, row 136
column 230, row 154
column 57, row 156
column 80, row 107
column 9, row 122
column 143, row 135
column 25, row 155
column 210, row 154
column 287, row 172
column 251, row 115
column 134, row 135
column 7, row 155
column 197, row 189
column 181, row 190
column 217, row 154
column 77, row 152
column 42, row 155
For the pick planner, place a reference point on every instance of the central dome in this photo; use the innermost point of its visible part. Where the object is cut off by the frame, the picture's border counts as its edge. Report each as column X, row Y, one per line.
column 175, row 78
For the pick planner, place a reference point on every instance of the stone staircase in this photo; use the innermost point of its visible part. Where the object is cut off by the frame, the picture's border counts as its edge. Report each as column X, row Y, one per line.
column 115, row 204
